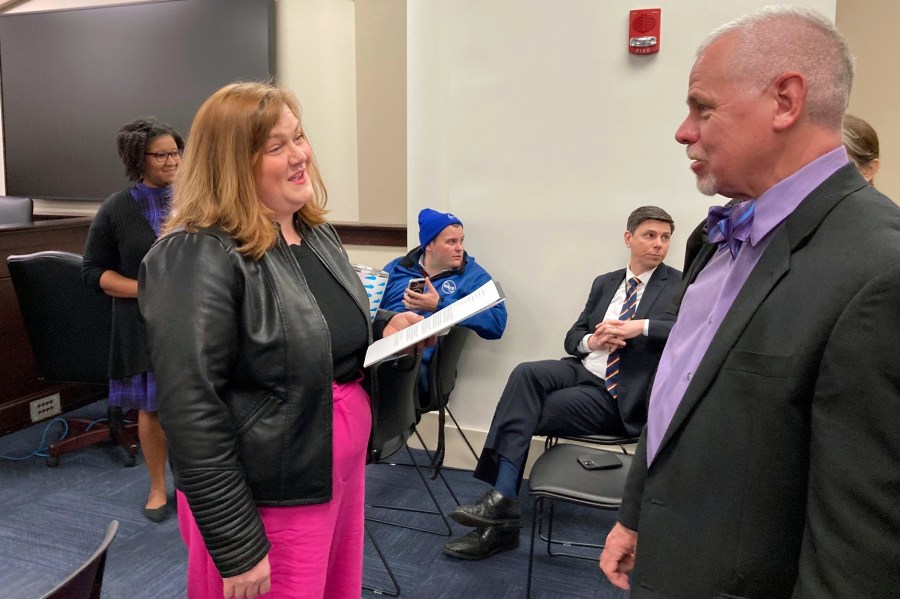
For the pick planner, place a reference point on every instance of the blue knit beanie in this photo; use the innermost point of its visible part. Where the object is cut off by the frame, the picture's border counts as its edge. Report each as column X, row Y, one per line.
column 432, row 222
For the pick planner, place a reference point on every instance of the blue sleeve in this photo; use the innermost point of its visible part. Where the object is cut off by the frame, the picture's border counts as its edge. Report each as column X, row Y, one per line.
column 491, row 323
column 393, row 291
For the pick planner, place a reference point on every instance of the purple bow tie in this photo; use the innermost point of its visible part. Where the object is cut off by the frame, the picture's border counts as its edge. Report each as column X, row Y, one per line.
column 730, row 225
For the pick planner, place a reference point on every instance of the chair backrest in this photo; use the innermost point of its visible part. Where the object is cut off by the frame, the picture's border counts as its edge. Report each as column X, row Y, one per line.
column 16, row 211
column 442, row 370
column 394, row 384
column 85, row 582
column 68, row 323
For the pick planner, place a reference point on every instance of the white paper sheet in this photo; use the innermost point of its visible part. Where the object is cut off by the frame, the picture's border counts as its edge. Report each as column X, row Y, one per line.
column 486, row 296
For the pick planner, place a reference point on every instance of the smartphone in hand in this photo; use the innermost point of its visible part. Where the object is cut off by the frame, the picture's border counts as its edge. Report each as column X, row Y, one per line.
column 417, row 285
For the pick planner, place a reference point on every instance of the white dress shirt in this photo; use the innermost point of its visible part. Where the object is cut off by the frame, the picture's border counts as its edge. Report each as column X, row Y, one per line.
column 595, row 361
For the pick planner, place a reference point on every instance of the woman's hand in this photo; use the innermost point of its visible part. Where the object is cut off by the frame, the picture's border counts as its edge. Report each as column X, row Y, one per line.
column 254, row 582
column 406, row 319
column 401, row 321
column 115, row 285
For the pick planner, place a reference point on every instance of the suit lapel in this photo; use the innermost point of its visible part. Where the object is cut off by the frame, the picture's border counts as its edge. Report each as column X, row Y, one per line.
column 611, row 283
column 773, row 265
column 651, row 292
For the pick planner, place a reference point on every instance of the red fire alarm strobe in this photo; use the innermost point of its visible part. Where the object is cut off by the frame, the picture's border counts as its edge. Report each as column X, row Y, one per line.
column 643, row 31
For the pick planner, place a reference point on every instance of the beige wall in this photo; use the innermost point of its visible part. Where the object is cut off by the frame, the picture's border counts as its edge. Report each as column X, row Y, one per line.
column 542, row 133
column 316, row 59
column 381, row 110
column 347, row 61
column 869, row 27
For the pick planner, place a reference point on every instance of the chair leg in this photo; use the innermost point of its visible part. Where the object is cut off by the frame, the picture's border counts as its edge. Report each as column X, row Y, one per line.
column 125, row 434
column 462, row 434
column 440, row 474
column 430, row 457
column 439, row 510
column 390, row 572
column 548, row 538
column 85, row 432
column 544, row 510
column 536, row 515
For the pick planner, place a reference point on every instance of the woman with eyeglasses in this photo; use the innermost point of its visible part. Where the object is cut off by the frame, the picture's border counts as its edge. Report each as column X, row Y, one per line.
column 124, row 228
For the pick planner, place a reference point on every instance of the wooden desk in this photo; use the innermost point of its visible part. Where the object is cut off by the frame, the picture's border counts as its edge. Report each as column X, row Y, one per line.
column 19, row 383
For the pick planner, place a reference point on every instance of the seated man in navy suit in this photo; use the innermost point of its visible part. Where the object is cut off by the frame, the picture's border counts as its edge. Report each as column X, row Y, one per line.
column 601, row 387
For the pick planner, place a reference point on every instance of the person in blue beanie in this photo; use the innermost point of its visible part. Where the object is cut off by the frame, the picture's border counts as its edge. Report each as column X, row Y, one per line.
column 450, row 274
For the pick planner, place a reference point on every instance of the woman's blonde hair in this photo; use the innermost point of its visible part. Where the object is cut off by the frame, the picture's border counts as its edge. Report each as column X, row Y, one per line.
column 860, row 139
column 216, row 185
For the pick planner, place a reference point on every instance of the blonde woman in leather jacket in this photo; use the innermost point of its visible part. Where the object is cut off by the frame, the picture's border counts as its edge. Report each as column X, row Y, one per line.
column 258, row 326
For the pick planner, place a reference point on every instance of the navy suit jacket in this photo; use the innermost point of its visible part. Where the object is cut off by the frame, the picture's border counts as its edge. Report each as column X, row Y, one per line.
column 641, row 354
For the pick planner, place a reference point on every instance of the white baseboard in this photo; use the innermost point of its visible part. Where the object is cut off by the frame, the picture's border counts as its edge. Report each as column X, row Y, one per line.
column 457, row 454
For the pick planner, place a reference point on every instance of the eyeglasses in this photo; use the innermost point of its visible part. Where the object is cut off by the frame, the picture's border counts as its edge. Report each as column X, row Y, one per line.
column 162, row 157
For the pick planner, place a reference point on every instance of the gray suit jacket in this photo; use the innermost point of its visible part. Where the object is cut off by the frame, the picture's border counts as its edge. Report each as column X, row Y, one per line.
column 778, row 474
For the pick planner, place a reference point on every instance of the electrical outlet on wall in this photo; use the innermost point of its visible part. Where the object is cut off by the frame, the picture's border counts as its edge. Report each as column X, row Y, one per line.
column 45, row 407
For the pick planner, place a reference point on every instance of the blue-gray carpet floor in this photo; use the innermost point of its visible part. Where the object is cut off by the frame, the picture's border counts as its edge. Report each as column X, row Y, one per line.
column 53, row 518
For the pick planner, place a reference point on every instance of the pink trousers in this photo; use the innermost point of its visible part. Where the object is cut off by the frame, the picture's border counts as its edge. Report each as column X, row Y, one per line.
column 317, row 550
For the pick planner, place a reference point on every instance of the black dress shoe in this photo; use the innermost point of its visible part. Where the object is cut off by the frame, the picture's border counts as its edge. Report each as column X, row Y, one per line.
column 493, row 508
column 483, row 542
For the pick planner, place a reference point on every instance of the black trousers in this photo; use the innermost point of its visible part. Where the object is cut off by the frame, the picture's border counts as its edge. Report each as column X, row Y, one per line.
column 547, row 397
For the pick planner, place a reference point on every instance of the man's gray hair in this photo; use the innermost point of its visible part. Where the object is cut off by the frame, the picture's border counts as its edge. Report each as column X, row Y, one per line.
column 780, row 38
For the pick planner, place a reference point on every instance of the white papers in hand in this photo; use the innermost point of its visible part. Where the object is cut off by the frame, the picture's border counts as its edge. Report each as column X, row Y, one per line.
column 486, row 296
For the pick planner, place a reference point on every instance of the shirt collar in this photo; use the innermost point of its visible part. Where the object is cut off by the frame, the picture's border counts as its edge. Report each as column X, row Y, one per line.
column 780, row 200
column 643, row 277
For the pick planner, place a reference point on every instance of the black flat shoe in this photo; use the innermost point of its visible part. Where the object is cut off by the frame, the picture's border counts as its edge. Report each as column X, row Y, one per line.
column 492, row 509
column 157, row 514
column 483, row 542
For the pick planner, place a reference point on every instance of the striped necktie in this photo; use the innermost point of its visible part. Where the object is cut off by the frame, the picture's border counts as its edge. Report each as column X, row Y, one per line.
column 612, row 362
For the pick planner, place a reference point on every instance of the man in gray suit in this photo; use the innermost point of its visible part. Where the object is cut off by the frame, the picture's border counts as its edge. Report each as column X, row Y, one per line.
column 601, row 387
column 770, row 463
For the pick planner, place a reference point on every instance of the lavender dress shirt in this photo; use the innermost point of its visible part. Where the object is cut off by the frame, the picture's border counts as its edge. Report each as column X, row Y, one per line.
column 710, row 296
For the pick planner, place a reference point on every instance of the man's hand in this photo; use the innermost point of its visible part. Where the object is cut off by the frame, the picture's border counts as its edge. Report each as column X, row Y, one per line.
column 617, row 558
column 611, row 334
column 254, row 582
column 427, row 301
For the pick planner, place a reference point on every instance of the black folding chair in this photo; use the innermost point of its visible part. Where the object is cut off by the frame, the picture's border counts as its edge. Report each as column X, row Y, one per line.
column 441, row 382
column 87, row 580
column 558, row 475
column 394, row 389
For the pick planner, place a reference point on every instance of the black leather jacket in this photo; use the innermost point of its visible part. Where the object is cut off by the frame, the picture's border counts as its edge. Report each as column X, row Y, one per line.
column 242, row 357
